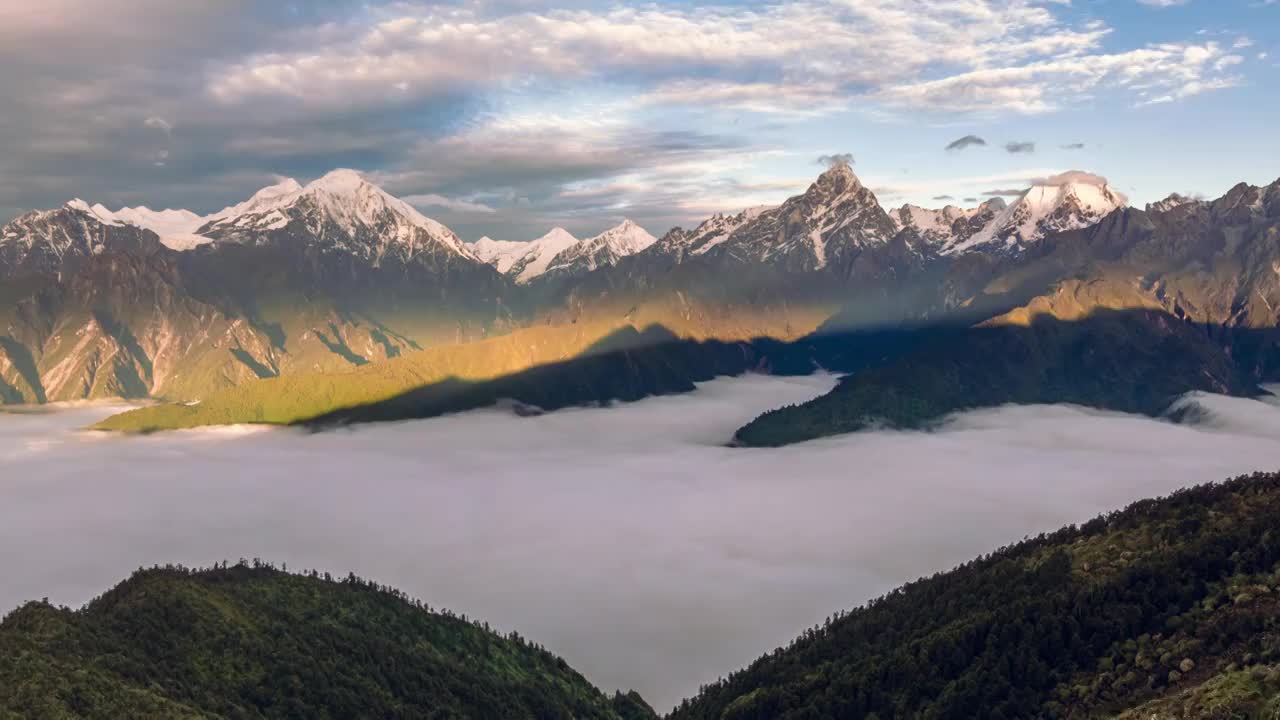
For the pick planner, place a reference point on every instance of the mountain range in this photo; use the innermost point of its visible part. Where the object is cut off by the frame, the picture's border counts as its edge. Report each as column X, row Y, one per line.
column 308, row 280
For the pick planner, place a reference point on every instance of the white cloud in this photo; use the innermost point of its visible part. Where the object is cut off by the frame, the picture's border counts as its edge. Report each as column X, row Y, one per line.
column 712, row 555
column 1167, row 70
column 797, row 57
column 1071, row 177
column 158, row 123
column 954, row 185
column 433, row 200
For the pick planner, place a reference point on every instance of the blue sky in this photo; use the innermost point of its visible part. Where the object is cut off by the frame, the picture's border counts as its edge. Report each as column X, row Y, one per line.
column 507, row 117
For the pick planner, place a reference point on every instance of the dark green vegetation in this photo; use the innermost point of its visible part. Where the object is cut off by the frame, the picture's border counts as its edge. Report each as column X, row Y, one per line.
column 1167, row 609
column 253, row 642
column 1136, row 361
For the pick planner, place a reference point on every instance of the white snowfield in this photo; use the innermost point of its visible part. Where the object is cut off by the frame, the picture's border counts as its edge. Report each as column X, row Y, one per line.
column 176, row 228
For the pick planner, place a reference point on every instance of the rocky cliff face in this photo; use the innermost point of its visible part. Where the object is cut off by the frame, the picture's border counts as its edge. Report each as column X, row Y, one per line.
column 324, row 277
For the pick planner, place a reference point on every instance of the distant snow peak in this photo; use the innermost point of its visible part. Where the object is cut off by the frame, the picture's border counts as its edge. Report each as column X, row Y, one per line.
column 627, row 238
column 605, row 249
column 340, row 181
column 373, row 221
column 1067, row 201
column 557, row 236
column 175, row 228
column 524, row 261
column 501, row 254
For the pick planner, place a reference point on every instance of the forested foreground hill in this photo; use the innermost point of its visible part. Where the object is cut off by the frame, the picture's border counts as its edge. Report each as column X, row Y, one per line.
column 254, row 642
column 1167, row 609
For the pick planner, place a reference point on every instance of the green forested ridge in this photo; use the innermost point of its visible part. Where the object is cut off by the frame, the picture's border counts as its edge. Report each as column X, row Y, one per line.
column 254, row 642
column 1167, row 609
column 1136, row 361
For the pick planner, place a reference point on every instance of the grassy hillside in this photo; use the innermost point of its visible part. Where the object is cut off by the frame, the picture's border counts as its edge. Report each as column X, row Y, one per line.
column 1167, row 609
column 253, row 642
column 293, row 398
column 1135, row 361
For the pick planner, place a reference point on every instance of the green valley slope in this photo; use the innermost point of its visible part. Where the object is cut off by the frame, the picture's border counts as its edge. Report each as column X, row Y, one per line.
column 1169, row 609
column 294, row 398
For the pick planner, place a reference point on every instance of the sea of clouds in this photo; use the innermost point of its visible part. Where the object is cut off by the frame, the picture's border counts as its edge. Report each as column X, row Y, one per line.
column 629, row 539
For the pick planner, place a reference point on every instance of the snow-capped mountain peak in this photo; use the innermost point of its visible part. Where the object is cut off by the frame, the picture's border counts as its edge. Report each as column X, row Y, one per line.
column 583, row 256
column 627, row 238
column 835, row 217
column 949, row 224
column 535, row 261
column 1063, row 202
column 501, row 254
column 524, row 261
column 176, row 228
column 341, row 208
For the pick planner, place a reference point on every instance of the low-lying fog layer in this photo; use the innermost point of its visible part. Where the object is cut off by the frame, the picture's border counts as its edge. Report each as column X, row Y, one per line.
column 627, row 539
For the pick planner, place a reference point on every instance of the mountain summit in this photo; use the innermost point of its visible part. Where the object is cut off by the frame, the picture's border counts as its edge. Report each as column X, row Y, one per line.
column 1068, row 201
column 524, row 261
column 341, row 211
column 836, row 216
column 605, row 249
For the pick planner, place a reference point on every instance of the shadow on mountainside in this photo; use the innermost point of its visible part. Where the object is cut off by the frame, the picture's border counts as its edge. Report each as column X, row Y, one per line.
column 1136, row 361
column 628, row 364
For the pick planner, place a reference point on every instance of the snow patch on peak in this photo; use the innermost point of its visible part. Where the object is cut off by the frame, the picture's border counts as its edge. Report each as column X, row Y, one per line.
column 557, row 235
column 97, row 211
column 501, row 254
column 1059, row 203
column 524, row 261
column 343, row 198
column 719, row 227
column 176, row 228
column 284, row 187
column 627, row 238
column 340, row 181
column 541, row 253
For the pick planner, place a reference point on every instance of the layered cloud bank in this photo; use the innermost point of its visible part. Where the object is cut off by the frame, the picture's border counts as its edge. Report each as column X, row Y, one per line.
column 644, row 551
